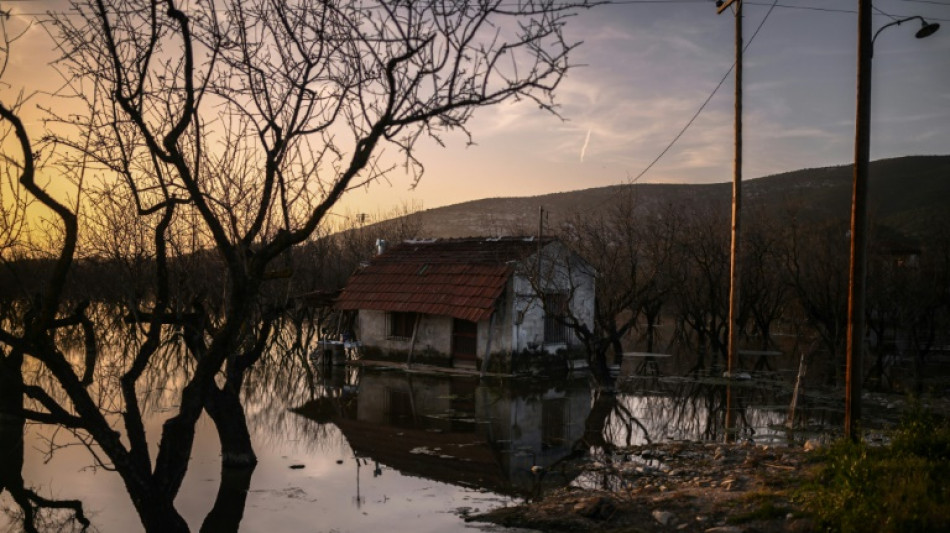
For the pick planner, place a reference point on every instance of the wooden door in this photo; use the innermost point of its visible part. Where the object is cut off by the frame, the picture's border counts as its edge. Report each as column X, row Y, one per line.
column 464, row 341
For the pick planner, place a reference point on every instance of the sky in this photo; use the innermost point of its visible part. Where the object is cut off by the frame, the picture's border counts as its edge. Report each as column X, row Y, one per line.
column 644, row 70
column 647, row 67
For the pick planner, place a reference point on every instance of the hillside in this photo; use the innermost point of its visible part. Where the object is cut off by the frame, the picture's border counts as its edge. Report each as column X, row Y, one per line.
column 905, row 193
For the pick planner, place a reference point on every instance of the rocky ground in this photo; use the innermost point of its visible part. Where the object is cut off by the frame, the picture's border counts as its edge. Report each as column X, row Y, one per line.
column 697, row 486
column 691, row 487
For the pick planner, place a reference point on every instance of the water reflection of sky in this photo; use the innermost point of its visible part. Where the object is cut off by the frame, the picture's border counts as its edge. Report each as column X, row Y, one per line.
column 692, row 408
column 328, row 494
column 357, row 476
column 332, row 492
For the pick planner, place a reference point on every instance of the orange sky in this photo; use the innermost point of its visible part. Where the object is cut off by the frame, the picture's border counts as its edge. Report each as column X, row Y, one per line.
column 647, row 67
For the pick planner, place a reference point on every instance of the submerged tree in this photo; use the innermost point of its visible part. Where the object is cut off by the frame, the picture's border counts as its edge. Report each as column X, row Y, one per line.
column 629, row 249
column 700, row 273
column 240, row 124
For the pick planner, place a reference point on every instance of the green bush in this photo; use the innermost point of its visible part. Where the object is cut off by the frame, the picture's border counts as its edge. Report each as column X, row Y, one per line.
column 901, row 487
column 923, row 434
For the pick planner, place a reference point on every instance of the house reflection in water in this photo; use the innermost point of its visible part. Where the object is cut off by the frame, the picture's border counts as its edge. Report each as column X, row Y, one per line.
column 504, row 437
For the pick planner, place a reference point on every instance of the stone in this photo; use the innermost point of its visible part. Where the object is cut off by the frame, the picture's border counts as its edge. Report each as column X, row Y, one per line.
column 800, row 525
column 665, row 518
column 724, row 529
column 584, row 506
column 596, row 508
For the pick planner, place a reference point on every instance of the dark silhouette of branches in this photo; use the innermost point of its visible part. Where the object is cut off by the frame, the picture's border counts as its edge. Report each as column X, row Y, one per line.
column 221, row 135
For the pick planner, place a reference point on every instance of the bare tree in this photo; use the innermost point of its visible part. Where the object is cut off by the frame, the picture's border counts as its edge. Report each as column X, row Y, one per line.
column 247, row 121
column 907, row 303
column 765, row 289
column 626, row 247
column 816, row 263
column 700, row 271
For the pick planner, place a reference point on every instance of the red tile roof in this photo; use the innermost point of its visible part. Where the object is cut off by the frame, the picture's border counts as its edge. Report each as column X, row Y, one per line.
column 461, row 278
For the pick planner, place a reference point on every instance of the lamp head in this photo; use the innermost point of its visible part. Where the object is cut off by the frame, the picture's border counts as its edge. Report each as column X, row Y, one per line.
column 927, row 29
column 718, row 3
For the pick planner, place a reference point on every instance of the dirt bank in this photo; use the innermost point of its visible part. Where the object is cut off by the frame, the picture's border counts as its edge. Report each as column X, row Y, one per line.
column 691, row 487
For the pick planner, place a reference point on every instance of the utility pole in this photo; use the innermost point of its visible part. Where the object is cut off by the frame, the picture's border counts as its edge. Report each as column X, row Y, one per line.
column 857, row 275
column 736, row 212
column 540, row 234
column 859, row 222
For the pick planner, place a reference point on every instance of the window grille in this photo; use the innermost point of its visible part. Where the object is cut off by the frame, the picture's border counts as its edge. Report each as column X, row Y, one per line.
column 555, row 311
column 401, row 324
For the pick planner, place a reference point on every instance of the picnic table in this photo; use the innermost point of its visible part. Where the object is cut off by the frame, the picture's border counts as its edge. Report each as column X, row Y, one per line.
column 762, row 363
column 648, row 365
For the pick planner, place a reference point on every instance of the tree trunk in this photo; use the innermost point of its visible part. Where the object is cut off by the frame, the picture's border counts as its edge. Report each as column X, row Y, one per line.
column 157, row 513
column 618, row 349
column 225, row 409
column 598, row 368
column 11, row 423
column 596, row 422
column 228, row 510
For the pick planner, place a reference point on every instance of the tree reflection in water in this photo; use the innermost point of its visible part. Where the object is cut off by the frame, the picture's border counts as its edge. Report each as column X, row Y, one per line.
column 523, row 437
column 33, row 511
column 503, row 436
column 517, row 438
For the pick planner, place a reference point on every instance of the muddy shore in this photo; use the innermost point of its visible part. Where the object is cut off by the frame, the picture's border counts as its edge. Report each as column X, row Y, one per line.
column 690, row 487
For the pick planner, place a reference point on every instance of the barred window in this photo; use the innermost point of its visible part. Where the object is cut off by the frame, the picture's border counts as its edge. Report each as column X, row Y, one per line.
column 555, row 311
column 553, row 423
column 401, row 324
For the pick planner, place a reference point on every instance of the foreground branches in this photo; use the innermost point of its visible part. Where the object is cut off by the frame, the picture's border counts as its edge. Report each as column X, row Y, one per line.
column 233, row 127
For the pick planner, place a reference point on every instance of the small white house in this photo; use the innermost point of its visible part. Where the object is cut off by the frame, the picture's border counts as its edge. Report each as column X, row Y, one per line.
column 499, row 304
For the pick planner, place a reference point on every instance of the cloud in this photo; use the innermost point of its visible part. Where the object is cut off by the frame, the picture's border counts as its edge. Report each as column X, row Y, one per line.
column 586, row 142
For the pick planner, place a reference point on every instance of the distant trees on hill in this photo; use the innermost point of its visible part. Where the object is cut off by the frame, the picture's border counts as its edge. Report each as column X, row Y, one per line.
column 663, row 286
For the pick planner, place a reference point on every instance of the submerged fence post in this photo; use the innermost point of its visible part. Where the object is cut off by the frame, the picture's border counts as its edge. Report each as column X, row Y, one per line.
column 412, row 342
column 485, row 360
column 790, row 422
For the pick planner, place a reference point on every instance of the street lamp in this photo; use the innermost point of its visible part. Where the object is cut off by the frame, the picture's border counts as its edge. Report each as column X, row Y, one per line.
column 926, row 28
column 859, row 214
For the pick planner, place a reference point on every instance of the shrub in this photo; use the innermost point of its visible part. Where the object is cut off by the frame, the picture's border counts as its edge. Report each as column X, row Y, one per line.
column 900, row 487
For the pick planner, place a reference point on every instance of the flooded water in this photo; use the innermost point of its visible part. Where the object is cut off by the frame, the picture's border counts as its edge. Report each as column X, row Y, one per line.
column 360, row 449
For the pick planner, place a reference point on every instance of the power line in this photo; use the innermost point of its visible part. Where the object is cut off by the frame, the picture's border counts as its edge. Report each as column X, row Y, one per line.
column 708, row 98
column 931, row 2
column 883, row 13
column 620, row 3
column 850, row 11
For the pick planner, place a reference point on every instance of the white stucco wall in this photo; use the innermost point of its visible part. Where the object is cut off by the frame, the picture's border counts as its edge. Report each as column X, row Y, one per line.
column 560, row 271
column 517, row 424
column 434, row 333
column 519, row 321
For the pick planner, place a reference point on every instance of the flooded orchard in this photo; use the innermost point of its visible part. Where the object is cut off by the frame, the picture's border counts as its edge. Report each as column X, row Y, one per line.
column 361, row 448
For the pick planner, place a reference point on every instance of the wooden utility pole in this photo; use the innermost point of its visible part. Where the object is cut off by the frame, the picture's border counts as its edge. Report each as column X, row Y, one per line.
column 736, row 212
column 859, row 222
column 540, row 234
column 857, row 276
